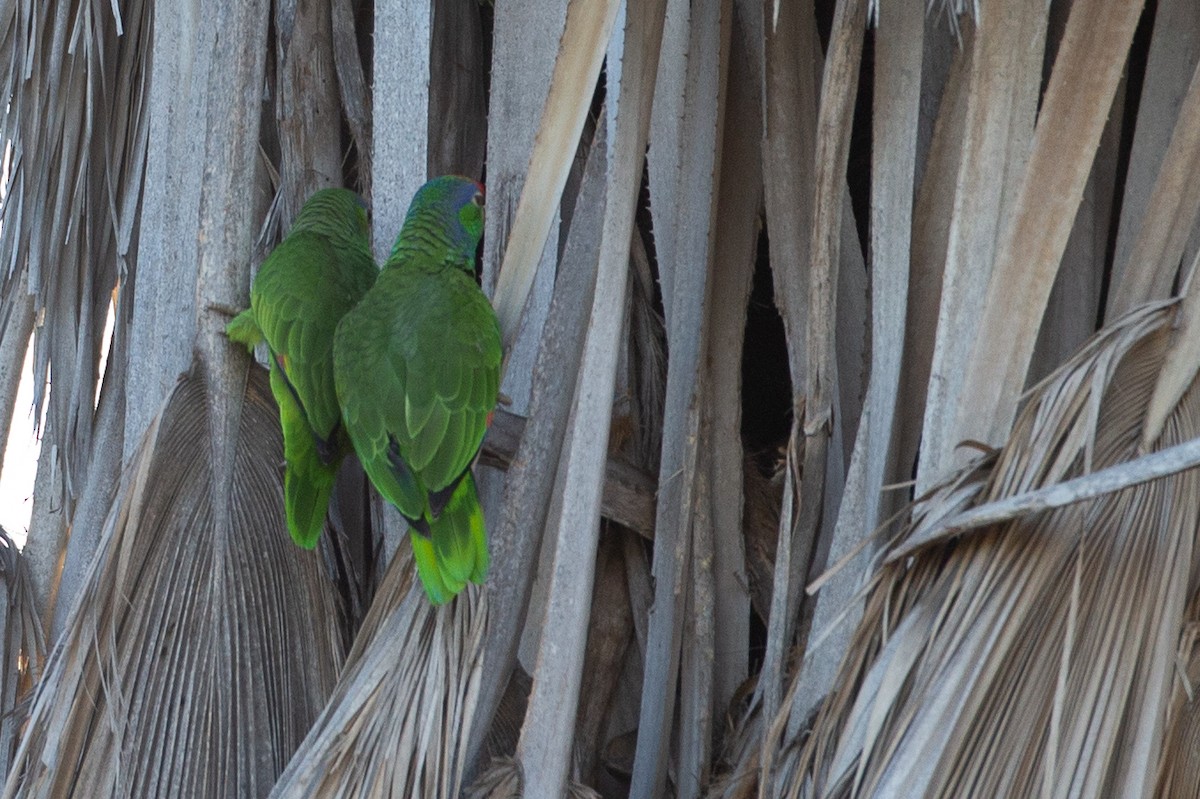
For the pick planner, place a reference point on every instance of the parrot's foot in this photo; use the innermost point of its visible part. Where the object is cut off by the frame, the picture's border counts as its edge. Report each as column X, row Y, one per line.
column 226, row 310
column 504, row 399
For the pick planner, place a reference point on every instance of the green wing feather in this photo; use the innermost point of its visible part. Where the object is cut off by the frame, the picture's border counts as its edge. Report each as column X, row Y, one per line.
column 301, row 293
column 417, row 368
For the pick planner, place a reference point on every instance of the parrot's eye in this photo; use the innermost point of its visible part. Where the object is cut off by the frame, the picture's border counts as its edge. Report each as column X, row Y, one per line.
column 478, row 199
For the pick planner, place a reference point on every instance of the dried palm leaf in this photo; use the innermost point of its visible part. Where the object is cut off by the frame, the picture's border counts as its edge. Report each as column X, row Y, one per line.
column 1171, row 212
column 1179, row 767
column 580, row 54
column 204, row 643
column 693, row 219
column 545, row 746
column 399, row 159
column 502, row 780
column 306, row 104
column 898, row 42
column 1030, row 246
column 22, row 647
column 396, row 723
column 1034, row 655
column 458, row 90
column 739, row 206
column 72, row 81
column 73, row 130
column 16, row 326
column 516, row 540
column 1170, row 66
column 1000, row 82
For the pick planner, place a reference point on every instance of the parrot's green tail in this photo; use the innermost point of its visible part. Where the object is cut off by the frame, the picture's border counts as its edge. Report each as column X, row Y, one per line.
column 455, row 550
column 307, row 486
column 307, row 481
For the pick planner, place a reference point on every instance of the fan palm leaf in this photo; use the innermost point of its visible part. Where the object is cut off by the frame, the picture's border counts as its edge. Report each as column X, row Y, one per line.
column 169, row 679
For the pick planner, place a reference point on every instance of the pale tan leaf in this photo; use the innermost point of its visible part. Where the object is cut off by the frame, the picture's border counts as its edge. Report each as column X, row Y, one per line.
column 544, row 750
column 1002, row 78
column 22, row 647
column 792, row 63
column 502, row 780
column 306, row 104
column 820, row 428
column 1036, row 655
column 932, row 212
column 1170, row 65
column 699, row 176
column 1182, row 362
column 73, row 134
column 739, row 205
column 580, row 54
column 898, row 42
column 399, row 114
column 409, row 684
column 169, row 679
column 516, row 540
column 1171, row 213
column 1072, row 116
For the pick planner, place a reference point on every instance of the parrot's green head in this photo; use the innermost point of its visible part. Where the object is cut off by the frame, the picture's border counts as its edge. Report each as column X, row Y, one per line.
column 445, row 219
column 338, row 213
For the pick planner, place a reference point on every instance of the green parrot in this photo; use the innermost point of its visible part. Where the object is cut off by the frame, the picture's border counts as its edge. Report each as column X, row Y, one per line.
column 320, row 270
column 417, row 371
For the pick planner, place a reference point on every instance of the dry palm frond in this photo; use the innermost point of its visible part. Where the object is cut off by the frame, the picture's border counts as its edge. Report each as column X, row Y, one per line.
column 515, row 540
column 502, row 780
column 204, row 642
column 1179, row 766
column 71, row 97
column 22, row 646
column 580, row 54
column 696, row 155
column 1170, row 68
column 545, row 744
column 16, row 326
column 1037, row 654
column 979, row 159
column 397, row 722
column 1029, row 249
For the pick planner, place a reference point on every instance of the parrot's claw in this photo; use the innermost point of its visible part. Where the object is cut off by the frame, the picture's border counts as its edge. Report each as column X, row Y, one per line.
column 221, row 308
column 503, row 399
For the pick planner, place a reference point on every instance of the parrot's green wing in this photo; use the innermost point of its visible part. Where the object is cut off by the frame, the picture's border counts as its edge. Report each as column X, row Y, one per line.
column 417, row 366
column 300, row 294
column 244, row 329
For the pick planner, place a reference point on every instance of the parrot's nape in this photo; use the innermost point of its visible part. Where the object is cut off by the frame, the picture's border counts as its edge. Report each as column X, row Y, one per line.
column 417, row 372
column 320, row 270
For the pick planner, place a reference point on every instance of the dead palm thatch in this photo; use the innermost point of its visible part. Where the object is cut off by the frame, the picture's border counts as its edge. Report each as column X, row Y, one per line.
column 974, row 660
column 186, row 568
column 394, row 725
column 22, row 645
column 1036, row 655
column 73, row 80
